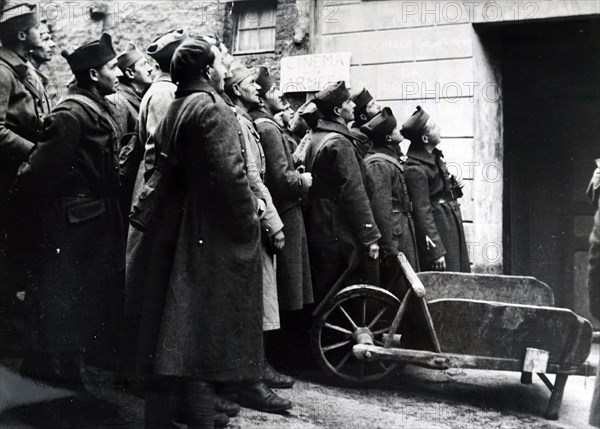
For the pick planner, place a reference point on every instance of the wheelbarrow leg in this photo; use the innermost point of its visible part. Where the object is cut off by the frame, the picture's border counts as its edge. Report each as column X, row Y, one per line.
column 556, row 397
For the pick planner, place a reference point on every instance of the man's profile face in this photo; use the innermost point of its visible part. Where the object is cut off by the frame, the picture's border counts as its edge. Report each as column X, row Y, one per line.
column 227, row 59
column 107, row 78
column 274, row 99
column 434, row 132
column 395, row 137
column 44, row 53
column 142, row 72
column 372, row 109
column 217, row 70
column 33, row 38
column 249, row 90
column 346, row 111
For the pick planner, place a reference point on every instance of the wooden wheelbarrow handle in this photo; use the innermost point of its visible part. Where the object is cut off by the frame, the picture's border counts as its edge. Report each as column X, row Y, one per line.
column 418, row 289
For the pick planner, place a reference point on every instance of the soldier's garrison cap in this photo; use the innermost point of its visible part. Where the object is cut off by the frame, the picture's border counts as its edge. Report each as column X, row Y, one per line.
column 237, row 73
column 362, row 98
column 332, row 96
column 163, row 47
column 265, row 81
column 17, row 17
column 192, row 55
column 310, row 113
column 92, row 55
column 413, row 127
column 128, row 58
column 380, row 125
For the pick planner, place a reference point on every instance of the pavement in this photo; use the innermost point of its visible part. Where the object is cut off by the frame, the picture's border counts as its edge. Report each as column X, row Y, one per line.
column 412, row 398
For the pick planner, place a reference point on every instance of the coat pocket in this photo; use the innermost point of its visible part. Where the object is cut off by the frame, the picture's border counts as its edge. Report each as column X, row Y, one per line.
column 83, row 209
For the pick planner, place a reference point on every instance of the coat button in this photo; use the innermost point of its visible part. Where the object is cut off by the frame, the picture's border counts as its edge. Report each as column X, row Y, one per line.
column 201, row 242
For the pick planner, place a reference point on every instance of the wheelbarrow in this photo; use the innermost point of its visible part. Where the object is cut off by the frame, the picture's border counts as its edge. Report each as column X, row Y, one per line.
column 476, row 321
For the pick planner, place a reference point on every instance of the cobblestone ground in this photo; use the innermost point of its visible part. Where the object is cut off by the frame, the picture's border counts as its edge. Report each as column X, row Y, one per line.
column 415, row 398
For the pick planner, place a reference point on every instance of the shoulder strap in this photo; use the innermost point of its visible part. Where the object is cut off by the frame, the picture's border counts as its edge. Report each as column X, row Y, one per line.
column 20, row 72
column 266, row 120
column 164, row 162
column 326, row 139
column 95, row 107
column 383, row 156
column 36, row 92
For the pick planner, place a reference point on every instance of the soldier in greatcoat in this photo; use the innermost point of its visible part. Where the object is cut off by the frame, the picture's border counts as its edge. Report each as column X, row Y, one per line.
column 23, row 106
column 366, row 108
column 211, row 327
column 341, row 229
column 594, row 282
column 307, row 118
column 136, row 78
column 74, row 174
column 43, row 54
column 137, row 158
column 434, row 194
column 287, row 186
column 242, row 89
column 386, row 186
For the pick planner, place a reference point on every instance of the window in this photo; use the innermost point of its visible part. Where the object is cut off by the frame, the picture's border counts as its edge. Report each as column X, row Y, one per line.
column 255, row 27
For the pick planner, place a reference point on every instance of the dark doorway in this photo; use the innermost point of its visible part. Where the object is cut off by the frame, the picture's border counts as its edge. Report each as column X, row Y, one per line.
column 551, row 106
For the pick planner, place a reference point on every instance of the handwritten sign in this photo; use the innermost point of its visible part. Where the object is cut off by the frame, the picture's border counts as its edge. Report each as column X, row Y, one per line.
column 306, row 73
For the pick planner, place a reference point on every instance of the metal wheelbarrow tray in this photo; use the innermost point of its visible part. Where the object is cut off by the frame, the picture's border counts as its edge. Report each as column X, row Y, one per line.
column 474, row 321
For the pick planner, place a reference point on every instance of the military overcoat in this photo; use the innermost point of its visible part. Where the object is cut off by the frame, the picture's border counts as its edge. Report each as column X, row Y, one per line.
column 339, row 220
column 294, row 283
column 211, row 325
column 436, row 210
column 271, row 222
column 23, row 105
column 79, row 235
column 391, row 204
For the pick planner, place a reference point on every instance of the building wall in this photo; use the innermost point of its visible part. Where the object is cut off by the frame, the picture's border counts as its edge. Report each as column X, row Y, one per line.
column 407, row 53
column 141, row 21
column 405, row 62
column 427, row 53
column 291, row 35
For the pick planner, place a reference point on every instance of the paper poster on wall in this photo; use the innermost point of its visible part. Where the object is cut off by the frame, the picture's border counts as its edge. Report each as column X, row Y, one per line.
column 307, row 73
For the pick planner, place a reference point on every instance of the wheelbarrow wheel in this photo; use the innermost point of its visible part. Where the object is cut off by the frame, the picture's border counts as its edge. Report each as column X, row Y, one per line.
column 357, row 314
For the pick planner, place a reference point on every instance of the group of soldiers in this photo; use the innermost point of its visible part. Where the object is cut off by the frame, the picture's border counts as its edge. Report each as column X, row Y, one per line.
column 244, row 213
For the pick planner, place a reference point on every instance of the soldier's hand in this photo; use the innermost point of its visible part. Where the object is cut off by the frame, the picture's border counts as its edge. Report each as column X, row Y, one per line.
column 596, row 177
column 459, row 182
column 374, row 251
column 262, row 208
column 306, row 180
column 439, row 264
column 278, row 240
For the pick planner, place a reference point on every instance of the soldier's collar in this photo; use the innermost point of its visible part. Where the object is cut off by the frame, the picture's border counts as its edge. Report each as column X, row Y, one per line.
column 419, row 153
column 242, row 113
column 336, row 127
column 162, row 76
column 388, row 149
column 17, row 62
column 202, row 86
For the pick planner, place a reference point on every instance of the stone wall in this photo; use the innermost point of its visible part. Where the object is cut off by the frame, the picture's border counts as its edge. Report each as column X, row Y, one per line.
column 141, row 21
